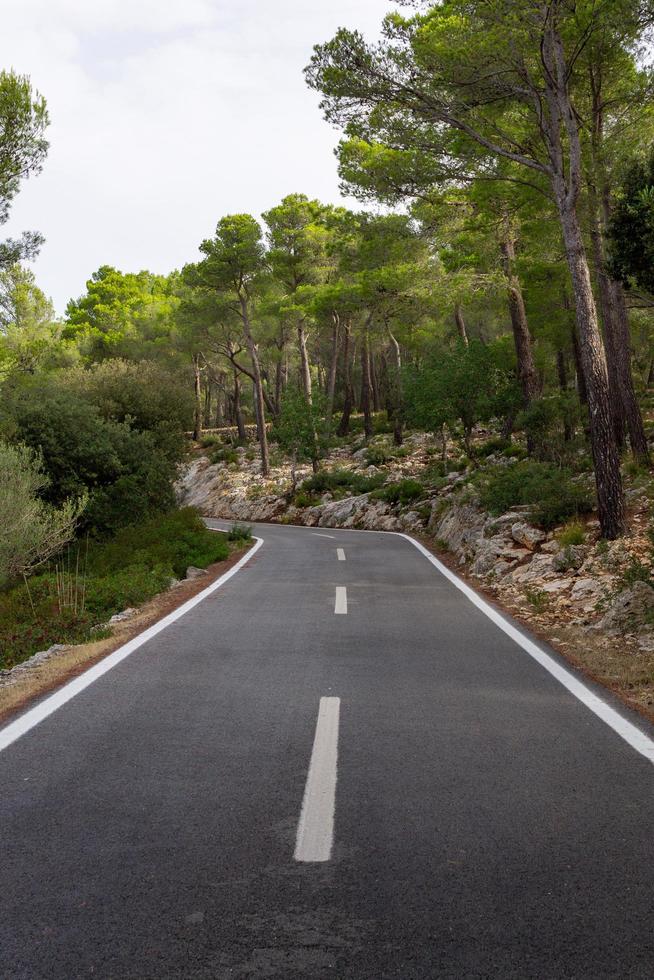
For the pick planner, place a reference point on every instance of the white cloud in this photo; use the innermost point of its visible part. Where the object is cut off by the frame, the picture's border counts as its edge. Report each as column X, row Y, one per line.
column 166, row 116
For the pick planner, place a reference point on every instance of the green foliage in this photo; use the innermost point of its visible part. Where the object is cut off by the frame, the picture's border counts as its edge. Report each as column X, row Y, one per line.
column 538, row 599
column 240, row 532
column 224, row 455
column 572, row 534
column 31, row 531
column 328, row 481
column 543, row 423
column 126, row 571
column 123, row 315
column 403, row 492
column 547, row 489
column 631, row 233
column 301, row 429
column 173, row 540
column 98, row 450
column 462, row 384
column 23, row 148
column 490, row 448
column 636, row 571
column 377, row 456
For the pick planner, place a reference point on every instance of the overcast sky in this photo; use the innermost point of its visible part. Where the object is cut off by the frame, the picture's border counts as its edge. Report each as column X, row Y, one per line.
column 167, row 114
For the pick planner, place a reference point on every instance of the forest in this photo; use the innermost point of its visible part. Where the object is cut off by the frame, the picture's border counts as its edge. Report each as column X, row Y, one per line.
column 496, row 275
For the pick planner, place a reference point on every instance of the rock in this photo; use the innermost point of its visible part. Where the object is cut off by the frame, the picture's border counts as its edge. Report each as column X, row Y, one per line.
column 125, row 614
column 587, row 590
column 571, row 557
column 193, row 572
column 629, row 609
column 550, row 547
column 558, row 585
column 540, row 567
column 527, row 535
column 460, row 526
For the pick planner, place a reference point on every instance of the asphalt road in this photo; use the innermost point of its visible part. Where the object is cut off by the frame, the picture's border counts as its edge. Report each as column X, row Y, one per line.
column 183, row 816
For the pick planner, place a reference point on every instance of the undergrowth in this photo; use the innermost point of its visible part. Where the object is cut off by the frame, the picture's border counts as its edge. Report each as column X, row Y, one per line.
column 131, row 568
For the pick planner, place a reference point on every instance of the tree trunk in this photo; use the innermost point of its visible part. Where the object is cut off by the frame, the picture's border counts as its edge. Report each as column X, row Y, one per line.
column 374, row 384
column 563, row 385
column 366, row 387
column 260, row 410
column 348, row 396
column 527, row 374
column 197, row 383
column 333, row 365
column 305, row 370
column 279, row 374
column 460, row 323
column 207, row 404
column 397, row 396
column 614, row 308
column 567, row 178
column 608, row 479
column 238, row 413
column 633, row 415
column 608, row 319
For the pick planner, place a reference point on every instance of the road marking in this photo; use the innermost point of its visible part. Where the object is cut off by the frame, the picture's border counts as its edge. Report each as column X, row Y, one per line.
column 316, row 534
column 315, row 830
column 633, row 735
column 31, row 718
column 341, row 554
column 340, row 606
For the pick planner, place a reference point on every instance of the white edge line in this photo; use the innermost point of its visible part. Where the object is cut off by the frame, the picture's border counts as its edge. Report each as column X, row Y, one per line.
column 638, row 740
column 318, row 535
column 10, row 733
column 315, row 832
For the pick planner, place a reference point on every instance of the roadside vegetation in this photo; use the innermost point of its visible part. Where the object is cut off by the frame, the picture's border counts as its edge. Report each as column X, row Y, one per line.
column 92, row 580
column 491, row 292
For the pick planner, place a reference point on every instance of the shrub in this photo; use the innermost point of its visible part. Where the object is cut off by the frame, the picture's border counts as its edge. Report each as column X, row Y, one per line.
column 573, row 533
column 377, row 456
column 327, row 481
column 137, row 564
column 402, row 492
column 490, row 447
column 127, row 474
column 31, row 531
column 240, row 533
column 210, row 440
column 224, row 455
column 548, row 490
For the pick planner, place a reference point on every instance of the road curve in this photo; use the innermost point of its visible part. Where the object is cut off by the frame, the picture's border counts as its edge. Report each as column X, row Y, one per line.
column 335, row 766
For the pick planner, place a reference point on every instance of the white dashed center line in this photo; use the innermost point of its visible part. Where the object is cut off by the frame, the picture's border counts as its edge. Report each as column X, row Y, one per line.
column 341, row 554
column 315, row 832
column 340, row 606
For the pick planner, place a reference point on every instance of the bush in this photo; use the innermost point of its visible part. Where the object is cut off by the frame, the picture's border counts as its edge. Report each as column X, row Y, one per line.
column 377, row 456
column 572, row 534
column 137, row 564
column 225, row 455
column 127, row 473
column 327, row 481
column 240, row 533
column 548, row 490
column 174, row 541
column 31, row 531
column 402, row 492
column 490, row 447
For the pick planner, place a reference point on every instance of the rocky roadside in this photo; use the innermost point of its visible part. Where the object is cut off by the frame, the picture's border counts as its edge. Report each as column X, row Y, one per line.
column 583, row 598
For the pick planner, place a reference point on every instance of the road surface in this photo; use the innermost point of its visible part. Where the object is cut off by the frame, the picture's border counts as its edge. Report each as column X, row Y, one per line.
column 335, row 766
